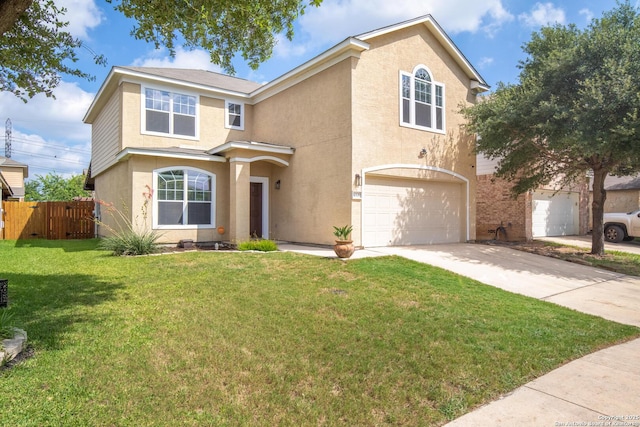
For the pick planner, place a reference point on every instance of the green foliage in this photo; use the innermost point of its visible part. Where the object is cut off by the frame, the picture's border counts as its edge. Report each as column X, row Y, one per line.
column 575, row 110
column 128, row 236
column 264, row 245
column 342, row 233
column 223, row 28
column 36, row 50
column 55, row 188
column 6, row 323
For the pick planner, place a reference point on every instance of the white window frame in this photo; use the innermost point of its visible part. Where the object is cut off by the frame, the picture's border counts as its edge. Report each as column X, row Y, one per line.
column 412, row 101
column 227, row 113
column 170, row 134
column 185, row 201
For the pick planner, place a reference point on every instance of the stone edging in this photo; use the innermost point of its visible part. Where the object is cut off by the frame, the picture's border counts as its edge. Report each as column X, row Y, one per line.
column 10, row 348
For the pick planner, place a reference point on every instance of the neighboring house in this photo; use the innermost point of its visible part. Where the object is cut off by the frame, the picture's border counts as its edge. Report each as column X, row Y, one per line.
column 546, row 211
column 623, row 193
column 368, row 133
column 12, row 176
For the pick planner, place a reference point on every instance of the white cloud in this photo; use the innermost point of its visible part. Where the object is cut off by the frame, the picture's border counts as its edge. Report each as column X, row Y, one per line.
column 48, row 155
column 543, row 14
column 56, row 118
column 485, row 62
column 588, row 15
column 83, row 15
column 194, row 59
column 336, row 20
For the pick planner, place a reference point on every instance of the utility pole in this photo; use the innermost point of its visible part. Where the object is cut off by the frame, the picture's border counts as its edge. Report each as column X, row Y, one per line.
column 7, row 139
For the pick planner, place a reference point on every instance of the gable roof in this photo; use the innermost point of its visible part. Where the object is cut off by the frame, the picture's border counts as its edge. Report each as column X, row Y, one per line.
column 7, row 162
column 441, row 36
column 254, row 92
column 199, row 77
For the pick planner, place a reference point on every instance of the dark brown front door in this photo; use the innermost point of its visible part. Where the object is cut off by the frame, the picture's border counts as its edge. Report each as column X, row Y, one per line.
column 255, row 206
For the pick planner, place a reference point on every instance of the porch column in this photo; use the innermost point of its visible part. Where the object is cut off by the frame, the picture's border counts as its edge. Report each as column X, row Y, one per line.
column 239, row 201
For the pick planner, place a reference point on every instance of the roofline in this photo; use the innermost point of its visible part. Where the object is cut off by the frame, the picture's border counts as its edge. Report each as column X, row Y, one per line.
column 441, row 35
column 122, row 73
column 128, row 152
column 253, row 146
column 349, row 47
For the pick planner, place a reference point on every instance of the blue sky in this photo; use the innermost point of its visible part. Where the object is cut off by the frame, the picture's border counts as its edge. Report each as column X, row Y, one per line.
column 49, row 136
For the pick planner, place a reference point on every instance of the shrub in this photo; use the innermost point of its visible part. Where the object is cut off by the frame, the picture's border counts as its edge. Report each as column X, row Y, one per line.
column 6, row 325
column 263, row 245
column 129, row 236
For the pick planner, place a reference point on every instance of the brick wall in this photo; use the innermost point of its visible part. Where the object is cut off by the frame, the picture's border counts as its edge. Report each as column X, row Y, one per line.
column 495, row 207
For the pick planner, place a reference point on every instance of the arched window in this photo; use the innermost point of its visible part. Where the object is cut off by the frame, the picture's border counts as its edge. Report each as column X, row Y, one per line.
column 184, row 198
column 422, row 100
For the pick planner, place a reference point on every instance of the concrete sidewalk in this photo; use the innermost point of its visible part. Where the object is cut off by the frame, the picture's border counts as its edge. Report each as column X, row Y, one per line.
column 587, row 391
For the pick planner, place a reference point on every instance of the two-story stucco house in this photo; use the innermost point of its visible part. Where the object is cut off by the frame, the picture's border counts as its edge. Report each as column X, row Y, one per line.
column 368, row 133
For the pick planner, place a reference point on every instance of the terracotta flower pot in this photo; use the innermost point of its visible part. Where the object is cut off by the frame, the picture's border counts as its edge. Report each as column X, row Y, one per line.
column 344, row 248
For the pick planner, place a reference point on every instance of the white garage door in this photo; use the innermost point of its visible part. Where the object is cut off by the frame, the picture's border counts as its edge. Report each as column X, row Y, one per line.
column 411, row 212
column 554, row 214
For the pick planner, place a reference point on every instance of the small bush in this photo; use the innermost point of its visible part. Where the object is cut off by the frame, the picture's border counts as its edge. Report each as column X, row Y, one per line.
column 130, row 236
column 263, row 245
column 129, row 242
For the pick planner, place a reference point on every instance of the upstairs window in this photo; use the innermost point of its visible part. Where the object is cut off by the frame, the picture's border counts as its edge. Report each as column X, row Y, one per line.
column 185, row 198
column 235, row 115
column 169, row 113
column 421, row 101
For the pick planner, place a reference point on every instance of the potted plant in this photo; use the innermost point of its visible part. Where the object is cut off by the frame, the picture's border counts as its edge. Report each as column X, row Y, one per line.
column 344, row 245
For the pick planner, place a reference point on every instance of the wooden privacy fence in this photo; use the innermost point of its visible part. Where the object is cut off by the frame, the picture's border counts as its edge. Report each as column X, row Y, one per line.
column 48, row 220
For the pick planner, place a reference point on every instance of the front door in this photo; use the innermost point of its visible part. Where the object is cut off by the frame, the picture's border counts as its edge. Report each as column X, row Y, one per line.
column 255, row 206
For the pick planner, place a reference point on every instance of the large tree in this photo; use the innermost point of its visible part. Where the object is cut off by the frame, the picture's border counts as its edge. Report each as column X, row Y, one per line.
column 575, row 111
column 35, row 49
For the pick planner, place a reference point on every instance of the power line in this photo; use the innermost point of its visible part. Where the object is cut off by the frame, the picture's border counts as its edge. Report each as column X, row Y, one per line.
column 51, row 145
column 54, row 158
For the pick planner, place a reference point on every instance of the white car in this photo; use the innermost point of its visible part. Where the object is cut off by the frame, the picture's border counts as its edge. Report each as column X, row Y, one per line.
column 621, row 226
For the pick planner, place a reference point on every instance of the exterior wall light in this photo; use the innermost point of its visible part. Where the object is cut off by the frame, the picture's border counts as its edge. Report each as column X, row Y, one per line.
column 423, row 153
column 277, row 184
column 358, row 180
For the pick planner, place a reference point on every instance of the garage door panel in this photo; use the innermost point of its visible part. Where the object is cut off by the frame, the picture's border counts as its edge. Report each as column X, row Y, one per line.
column 555, row 214
column 408, row 212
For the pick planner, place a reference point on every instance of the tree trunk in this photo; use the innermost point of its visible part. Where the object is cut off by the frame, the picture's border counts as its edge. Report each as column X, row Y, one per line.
column 597, row 211
column 10, row 11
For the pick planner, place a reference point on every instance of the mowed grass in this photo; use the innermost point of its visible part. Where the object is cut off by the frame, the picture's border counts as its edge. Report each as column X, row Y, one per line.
column 236, row 339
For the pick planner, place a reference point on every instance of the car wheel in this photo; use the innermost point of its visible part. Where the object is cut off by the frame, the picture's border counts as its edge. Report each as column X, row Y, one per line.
column 613, row 234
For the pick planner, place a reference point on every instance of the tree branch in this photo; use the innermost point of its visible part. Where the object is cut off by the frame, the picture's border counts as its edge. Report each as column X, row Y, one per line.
column 10, row 11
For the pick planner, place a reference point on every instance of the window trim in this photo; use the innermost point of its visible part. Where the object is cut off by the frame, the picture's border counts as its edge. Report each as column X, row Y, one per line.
column 170, row 134
column 226, row 114
column 412, row 101
column 155, row 211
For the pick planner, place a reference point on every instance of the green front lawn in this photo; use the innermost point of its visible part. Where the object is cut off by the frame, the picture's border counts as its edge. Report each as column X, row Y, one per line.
column 235, row 339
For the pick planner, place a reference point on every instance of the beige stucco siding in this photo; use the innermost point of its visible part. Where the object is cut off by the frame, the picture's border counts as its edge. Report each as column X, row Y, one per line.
column 126, row 183
column 314, row 117
column 113, row 191
column 378, row 138
column 105, row 134
column 211, row 122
